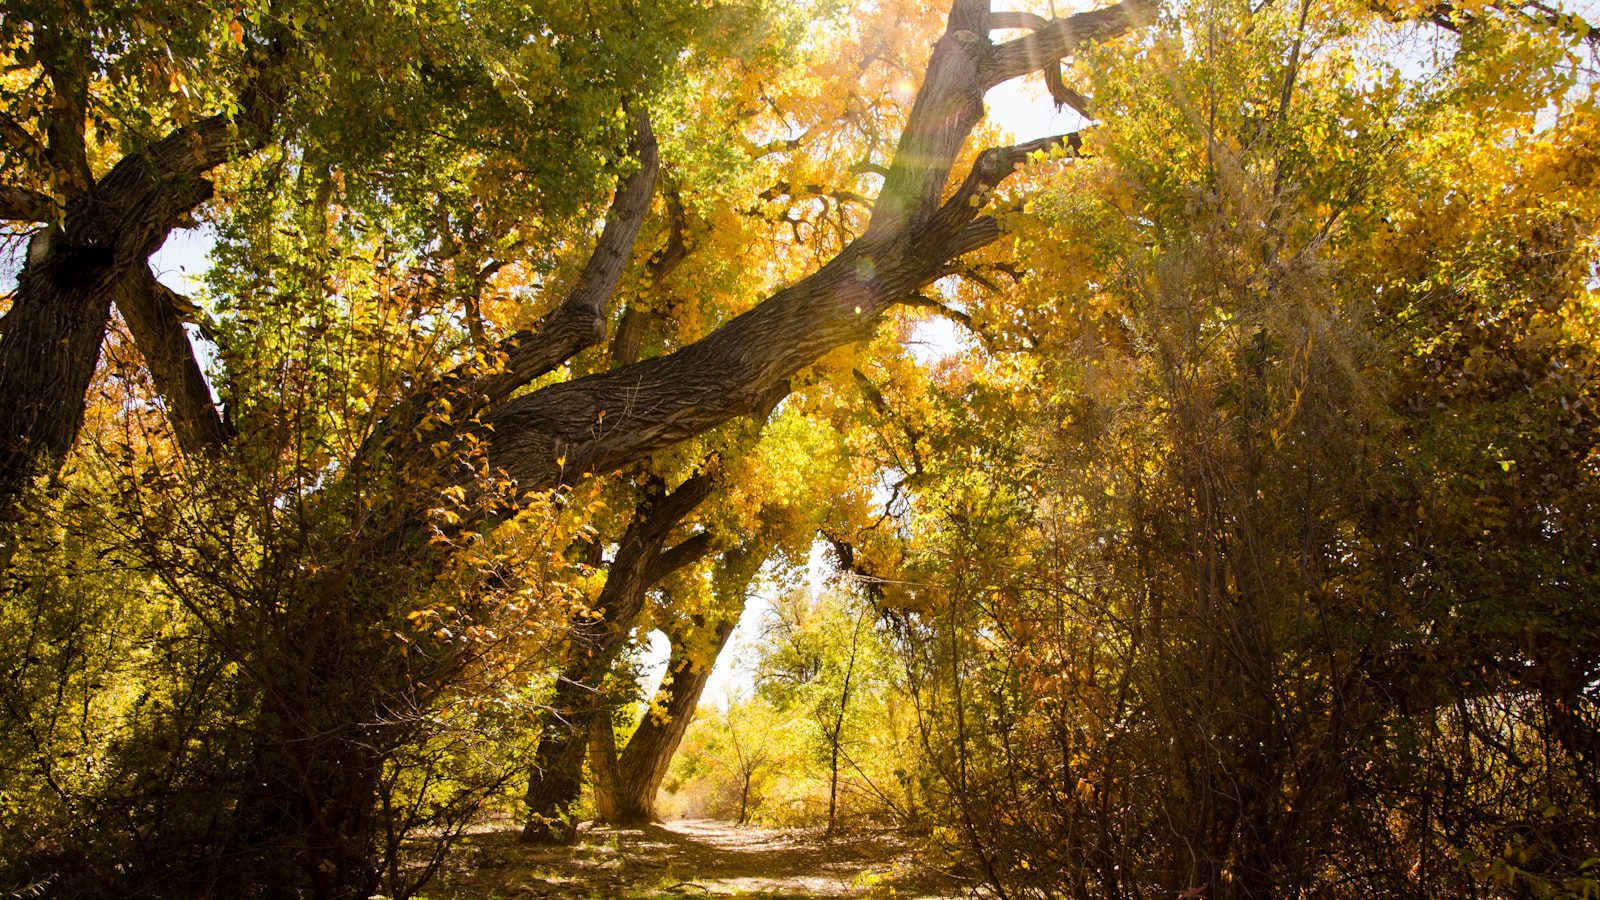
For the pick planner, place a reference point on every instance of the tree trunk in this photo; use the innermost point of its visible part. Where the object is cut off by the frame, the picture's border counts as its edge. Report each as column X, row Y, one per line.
column 51, row 340
column 604, row 776
column 606, row 421
column 836, row 735
column 48, row 355
column 557, row 779
column 629, row 794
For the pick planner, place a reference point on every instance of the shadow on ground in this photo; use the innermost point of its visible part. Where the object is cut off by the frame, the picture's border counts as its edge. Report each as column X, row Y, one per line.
column 692, row 858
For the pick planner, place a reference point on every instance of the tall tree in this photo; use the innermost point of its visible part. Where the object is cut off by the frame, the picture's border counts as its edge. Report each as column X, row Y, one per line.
column 385, row 461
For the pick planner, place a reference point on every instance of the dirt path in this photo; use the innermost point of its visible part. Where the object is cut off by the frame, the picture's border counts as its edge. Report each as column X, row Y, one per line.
column 692, row 858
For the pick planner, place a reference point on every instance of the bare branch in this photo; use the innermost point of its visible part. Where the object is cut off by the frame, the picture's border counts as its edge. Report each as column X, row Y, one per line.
column 687, row 552
column 993, row 166
column 1059, row 92
column 785, row 189
column 923, row 301
column 1058, row 38
column 151, row 310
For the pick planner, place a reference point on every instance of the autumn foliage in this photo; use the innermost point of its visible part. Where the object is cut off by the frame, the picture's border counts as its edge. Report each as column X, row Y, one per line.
column 1202, row 501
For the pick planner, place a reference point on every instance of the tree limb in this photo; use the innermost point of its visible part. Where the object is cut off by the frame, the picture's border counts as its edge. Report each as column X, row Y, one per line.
column 1059, row 37
column 608, row 420
column 1059, row 92
column 18, row 204
column 636, row 320
column 64, row 57
column 150, row 309
column 686, row 552
column 580, row 320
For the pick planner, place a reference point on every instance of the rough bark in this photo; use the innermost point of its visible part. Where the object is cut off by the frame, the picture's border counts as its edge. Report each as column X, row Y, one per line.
column 25, row 205
column 626, row 785
column 558, row 778
column 606, row 421
column 150, row 310
column 76, row 266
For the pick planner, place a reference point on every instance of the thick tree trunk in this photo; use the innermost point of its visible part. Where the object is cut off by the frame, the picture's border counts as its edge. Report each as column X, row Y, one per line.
column 557, row 779
column 48, row 355
column 608, row 420
column 75, row 267
column 604, row 776
column 626, row 786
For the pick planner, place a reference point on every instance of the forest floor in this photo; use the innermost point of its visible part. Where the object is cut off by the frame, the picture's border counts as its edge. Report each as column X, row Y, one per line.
column 693, row 858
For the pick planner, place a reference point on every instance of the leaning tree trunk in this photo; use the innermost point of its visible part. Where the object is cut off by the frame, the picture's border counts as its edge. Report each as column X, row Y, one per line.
column 609, row 420
column 626, row 786
column 557, row 779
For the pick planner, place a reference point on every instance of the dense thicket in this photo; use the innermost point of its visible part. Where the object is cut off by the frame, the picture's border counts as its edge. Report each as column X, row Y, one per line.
column 1245, row 551
column 1258, row 557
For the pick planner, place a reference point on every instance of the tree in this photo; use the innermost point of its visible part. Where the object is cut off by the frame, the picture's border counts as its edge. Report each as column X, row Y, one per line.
column 96, row 81
column 577, row 707
column 1194, row 545
column 394, row 461
column 820, row 658
column 626, row 784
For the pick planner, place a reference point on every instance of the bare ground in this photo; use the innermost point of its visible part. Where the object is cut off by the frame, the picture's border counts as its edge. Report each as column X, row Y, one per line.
column 693, row 858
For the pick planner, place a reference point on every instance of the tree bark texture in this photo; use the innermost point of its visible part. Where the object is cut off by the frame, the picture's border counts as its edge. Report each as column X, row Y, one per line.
column 150, row 310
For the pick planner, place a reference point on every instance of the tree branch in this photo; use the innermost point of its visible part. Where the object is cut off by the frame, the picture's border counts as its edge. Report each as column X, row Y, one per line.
column 991, row 167
column 133, row 208
column 580, row 321
column 1059, row 92
column 150, row 309
column 1059, row 37
column 64, row 57
column 923, row 301
column 686, row 552
column 19, row 204
column 635, row 320
column 947, row 106
column 605, row 421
